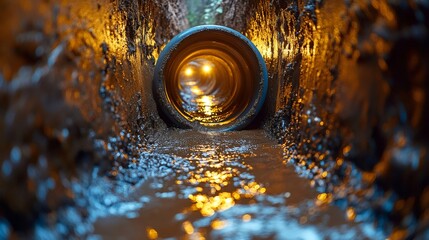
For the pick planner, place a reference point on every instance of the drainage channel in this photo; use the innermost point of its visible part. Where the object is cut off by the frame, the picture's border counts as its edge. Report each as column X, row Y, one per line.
column 232, row 185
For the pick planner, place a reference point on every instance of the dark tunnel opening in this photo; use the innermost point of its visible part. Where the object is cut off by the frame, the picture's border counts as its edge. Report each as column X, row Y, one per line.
column 339, row 149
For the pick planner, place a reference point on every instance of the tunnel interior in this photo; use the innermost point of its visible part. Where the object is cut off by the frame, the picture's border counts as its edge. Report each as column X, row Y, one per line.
column 346, row 110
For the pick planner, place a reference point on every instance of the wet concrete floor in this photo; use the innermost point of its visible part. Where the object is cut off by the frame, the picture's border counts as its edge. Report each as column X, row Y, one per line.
column 232, row 185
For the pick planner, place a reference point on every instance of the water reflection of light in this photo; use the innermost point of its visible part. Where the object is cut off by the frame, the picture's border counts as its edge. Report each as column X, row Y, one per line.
column 219, row 224
column 207, row 104
column 187, row 226
column 208, row 205
column 207, row 100
column 323, row 198
column 218, row 184
column 246, row 217
column 196, row 90
column 152, row 233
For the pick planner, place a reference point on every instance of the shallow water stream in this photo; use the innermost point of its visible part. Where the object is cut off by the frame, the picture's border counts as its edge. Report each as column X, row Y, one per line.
column 231, row 185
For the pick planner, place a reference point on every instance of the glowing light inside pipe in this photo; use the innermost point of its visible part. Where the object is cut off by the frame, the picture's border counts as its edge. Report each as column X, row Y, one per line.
column 210, row 78
column 207, row 68
column 189, row 72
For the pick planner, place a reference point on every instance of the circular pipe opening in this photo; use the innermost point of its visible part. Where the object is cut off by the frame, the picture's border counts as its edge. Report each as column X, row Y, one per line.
column 210, row 78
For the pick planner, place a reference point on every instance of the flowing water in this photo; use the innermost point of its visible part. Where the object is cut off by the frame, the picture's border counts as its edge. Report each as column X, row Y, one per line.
column 232, row 185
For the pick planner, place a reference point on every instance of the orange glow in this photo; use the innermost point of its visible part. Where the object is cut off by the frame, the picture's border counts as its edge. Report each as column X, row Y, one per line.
column 212, row 83
column 246, row 217
column 152, row 233
column 218, row 224
column 351, row 215
column 216, row 199
column 187, row 226
column 188, row 72
column 207, row 68
column 207, row 102
column 196, row 90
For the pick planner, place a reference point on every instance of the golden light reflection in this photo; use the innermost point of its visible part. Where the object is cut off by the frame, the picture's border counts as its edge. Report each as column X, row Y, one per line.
column 351, row 215
column 189, row 71
column 207, row 100
column 151, row 233
column 187, row 226
column 218, row 185
column 196, row 90
column 208, row 205
column 218, row 224
column 207, row 68
column 207, row 104
column 323, row 198
column 267, row 41
column 246, row 217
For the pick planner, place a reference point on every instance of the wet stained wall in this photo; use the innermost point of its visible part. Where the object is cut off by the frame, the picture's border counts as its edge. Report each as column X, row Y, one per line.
column 75, row 94
column 349, row 84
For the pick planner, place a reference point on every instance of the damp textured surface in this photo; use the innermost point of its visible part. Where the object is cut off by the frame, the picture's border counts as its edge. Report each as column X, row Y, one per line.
column 339, row 151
